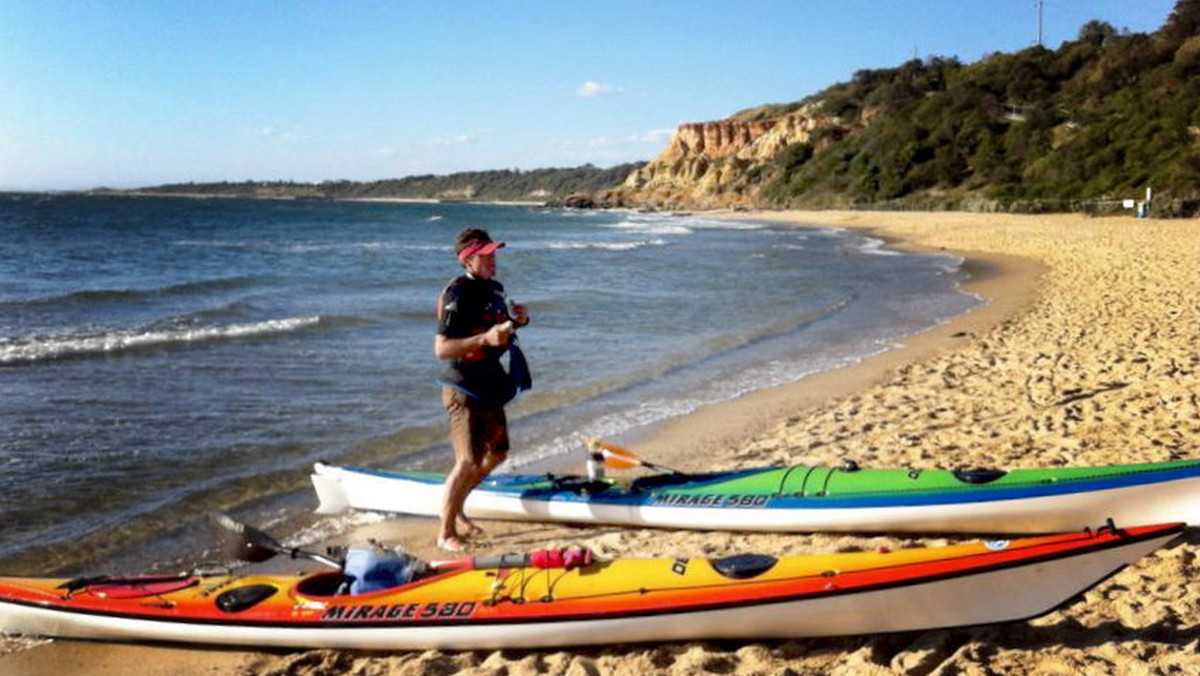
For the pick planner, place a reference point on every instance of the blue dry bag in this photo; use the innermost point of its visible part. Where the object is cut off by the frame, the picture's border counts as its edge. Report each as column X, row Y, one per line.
column 372, row 568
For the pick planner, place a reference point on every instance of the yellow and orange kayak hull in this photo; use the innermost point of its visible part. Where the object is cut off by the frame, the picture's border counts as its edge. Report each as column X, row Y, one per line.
column 464, row 606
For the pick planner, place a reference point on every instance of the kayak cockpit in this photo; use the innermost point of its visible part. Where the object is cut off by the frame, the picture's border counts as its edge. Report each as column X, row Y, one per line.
column 323, row 584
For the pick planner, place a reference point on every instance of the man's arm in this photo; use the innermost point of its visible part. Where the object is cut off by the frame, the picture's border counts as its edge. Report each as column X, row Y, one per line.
column 465, row 348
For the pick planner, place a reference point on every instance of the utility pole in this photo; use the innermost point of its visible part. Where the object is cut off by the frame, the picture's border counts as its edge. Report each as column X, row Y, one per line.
column 1040, row 5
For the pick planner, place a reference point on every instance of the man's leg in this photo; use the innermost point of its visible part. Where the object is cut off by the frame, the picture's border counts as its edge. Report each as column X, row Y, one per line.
column 458, row 484
column 466, row 472
column 489, row 437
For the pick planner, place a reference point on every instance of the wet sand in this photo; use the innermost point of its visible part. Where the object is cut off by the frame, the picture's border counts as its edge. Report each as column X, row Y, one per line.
column 1088, row 353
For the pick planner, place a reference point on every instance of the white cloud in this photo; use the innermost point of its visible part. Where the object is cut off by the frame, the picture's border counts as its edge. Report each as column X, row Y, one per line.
column 592, row 89
column 460, row 140
column 632, row 142
column 269, row 132
column 656, row 136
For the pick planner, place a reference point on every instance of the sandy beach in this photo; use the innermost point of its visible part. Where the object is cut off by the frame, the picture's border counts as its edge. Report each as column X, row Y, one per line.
column 1087, row 353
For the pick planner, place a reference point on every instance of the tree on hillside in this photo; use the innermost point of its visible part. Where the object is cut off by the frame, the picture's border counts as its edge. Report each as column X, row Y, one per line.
column 1103, row 116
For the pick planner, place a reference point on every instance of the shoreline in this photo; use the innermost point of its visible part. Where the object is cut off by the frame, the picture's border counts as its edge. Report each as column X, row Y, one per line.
column 1008, row 284
column 301, row 198
column 1072, row 310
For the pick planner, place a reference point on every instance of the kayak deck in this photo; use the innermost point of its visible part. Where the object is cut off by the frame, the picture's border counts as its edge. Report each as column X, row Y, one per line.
column 812, row 481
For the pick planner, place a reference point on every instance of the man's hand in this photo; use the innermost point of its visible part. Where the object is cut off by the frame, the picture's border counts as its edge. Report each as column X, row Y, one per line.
column 471, row 348
column 499, row 335
column 519, row 314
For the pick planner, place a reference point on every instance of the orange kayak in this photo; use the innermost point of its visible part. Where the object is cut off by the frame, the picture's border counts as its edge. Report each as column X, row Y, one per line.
column 467, row 604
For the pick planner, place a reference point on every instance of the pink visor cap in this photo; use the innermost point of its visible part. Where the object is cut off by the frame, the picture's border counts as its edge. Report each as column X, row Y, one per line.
column 478, row 247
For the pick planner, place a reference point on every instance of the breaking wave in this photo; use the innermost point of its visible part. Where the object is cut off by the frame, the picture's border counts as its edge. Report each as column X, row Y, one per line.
column 29, row 350
column 608, row 246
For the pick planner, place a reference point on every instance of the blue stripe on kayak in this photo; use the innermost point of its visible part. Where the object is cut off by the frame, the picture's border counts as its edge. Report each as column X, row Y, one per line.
column 511, row 484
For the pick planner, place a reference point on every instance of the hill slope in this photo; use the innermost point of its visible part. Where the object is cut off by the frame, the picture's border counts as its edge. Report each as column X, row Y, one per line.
column 1100, row 119
column 538, row 185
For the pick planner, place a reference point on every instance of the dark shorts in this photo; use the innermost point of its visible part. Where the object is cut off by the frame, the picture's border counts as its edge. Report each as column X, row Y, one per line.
column 475, row 431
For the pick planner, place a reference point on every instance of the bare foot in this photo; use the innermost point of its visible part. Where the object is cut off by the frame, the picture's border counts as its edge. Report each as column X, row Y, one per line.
column 473, row 529
column 453, row 544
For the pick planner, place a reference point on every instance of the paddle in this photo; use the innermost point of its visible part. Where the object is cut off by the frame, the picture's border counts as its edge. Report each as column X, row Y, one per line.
column 249, row 544
column 616, row 457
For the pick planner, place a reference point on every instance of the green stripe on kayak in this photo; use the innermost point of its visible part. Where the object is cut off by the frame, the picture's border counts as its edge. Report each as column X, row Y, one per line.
column 802, row 480
column 837, row 482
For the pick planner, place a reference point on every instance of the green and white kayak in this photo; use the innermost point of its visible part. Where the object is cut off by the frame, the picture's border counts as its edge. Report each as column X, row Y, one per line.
column 801, row 498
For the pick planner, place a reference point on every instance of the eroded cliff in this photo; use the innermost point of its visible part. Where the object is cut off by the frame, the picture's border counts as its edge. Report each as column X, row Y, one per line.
column 721, row 164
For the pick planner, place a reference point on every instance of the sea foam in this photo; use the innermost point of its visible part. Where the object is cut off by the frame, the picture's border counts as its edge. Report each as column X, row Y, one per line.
column 36, row 349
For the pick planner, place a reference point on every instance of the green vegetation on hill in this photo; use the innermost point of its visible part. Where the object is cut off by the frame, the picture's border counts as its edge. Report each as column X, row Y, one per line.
column 1102, row 117
column 502, row 185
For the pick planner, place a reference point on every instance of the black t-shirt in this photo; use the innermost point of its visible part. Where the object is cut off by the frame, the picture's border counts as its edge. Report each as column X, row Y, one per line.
column 470, row 306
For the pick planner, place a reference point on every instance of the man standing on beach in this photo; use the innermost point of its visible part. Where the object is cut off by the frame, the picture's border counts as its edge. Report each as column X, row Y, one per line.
column 474, row 330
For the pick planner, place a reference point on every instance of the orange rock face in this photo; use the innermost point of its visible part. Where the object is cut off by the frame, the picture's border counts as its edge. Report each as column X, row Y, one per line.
column 717, row 164
column 715, row 139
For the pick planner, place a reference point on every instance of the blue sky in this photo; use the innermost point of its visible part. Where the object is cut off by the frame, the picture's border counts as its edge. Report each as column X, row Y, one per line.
column 127, row 93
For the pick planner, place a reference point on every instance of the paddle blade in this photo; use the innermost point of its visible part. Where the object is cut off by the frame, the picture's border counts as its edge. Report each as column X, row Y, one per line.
column 244, row 542
column 617, row 457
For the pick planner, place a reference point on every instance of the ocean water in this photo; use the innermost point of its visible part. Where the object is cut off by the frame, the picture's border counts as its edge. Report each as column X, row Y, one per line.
column 164, row 358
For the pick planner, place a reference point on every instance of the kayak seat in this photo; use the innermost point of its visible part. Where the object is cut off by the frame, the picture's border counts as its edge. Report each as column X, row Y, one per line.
column 579, row 485
column 243, row 598
column 978, row 476
column 743, row 566
column 649, row 483
column 324, row 584
column 654, row 481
